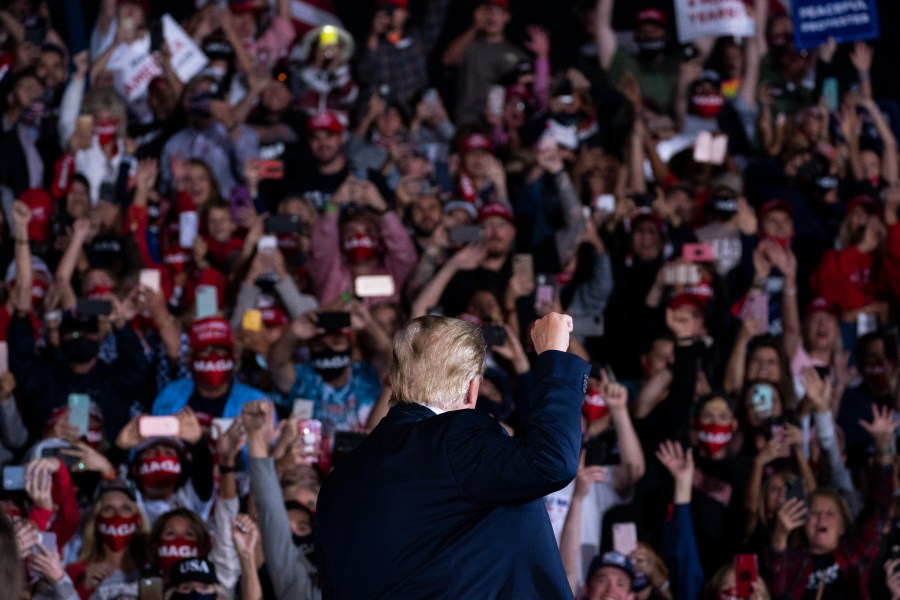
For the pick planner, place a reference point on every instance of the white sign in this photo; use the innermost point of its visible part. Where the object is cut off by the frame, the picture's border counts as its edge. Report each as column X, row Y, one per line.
column 700, row 18
column 187, row 58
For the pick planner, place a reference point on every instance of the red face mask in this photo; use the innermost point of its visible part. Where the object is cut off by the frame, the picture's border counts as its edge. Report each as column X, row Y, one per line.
column 171, row 551
column 785, row 243
column 99, row 291
column 213, row 368
column 106, row 131
column 707, row 106
column 116, row 532
column 594, row 406
column 360, row 247
column 159, row 471
column 714, row 437
column 728, row 594
column 94, row 437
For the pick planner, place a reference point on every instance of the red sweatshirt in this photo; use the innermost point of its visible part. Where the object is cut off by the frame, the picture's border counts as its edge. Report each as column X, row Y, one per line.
column 847, row 278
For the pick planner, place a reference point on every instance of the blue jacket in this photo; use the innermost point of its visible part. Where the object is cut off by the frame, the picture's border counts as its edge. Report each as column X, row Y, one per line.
column 449, row 506
column 175, row 395
column 679, row 550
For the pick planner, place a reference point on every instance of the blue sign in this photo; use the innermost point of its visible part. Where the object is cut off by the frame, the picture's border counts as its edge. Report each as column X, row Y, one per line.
column 845, row 20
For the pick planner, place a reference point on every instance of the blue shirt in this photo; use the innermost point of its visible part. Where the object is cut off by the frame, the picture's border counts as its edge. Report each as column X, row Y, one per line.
column 175, row 396
column 339, row 409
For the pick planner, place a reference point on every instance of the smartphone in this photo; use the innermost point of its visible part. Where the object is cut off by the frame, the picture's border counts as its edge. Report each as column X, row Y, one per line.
column 187, row 229
column 223, row 426
column 150, row 588
column 746, row 572
column 252, row 320
column 795, row 489
column 624, row 538
column 494, row 335
column 66, row 459
column 465, row 234
column 271, row 169
column 150, row 427
column 496, row 100
column 283, row 224
column 603, row 449
column 373, row 286
column 761, row 400
column 48, row 541
column 333, row 321
column 775, row 429
column 207, row 301
column 310, row 431
column 588, row 325
column 604, row 203
column 267, row 243
column 154, row 26
column 150, row 279
column 91, row 307
column 719, row 149
column 824, row 372
column 431, row 96
column 303, row 408
column 697, row 253
column 14, row 478
column 757, row 308
column 865, row 323
column 523, row 267
column 80, row 412
column 4, row 357
column 831, row 94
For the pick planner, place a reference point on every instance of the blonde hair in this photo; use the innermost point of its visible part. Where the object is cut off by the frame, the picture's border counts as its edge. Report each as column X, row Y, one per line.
column 92, row 549
column 434, row 360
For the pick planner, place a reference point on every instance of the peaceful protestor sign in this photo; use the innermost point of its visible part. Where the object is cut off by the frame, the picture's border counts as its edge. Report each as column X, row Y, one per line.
column 700, row 18
column 845, row 20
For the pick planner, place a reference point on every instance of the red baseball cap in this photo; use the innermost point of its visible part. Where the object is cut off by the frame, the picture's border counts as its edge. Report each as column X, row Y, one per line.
column 867, row 203
column 41, row 205
column 212, row 331
column 325, row 121
column 495, row 209
column 687, row 299
column 651, row 15
column 240, row 7
column 397, row 3
column 477, row 141
column 273, row 316
column 775, row 204
column 820, row 305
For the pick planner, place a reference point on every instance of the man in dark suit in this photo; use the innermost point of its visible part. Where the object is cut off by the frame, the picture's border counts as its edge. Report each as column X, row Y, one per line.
column 439, row 502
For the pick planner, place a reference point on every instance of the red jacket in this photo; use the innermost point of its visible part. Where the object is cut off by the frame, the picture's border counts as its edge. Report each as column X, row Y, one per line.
column 848, row 278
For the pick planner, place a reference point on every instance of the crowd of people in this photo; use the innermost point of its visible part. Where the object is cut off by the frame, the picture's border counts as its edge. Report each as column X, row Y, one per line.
column 204, row 273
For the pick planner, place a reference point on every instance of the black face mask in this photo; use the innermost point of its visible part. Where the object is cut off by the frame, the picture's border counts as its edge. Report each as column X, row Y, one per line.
column 80, row 350
column 330, row 364
column 306, row 545
column 650, row 48
column 193, row 596
column 423, row 231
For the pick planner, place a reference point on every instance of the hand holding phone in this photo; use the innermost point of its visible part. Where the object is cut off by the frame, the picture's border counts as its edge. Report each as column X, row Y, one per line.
column 374, row 286
column 150, row 427
column 80, row 412
column 625, row 538
column 746, row 573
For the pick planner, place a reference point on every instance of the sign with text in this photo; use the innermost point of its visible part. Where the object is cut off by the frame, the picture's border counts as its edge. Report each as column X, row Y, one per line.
column 700, row 18
column 187, row 59
column 845, row 20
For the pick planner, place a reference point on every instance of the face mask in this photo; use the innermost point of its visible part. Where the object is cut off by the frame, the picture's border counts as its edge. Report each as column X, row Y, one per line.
column 94, row 437
column 99, row 291
column 193, row 596
column 159, row 471
column 707, row 106
column 330, row 364
column 106, row 131
column 80, row 350
column 116, row 531
column 714, row 437
column 360, row 247
column 784, row 242
column 728, row 594
column 212, row 369
column 171, row 551
column 651, row 47
column 594, row 406
column 31, row 116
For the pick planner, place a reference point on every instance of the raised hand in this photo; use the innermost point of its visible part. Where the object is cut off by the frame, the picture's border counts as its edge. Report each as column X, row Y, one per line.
column 469, row 257
column 790, row 516
column 39, row 481
column 684, row 322
column 88, row 458
column 538, row 41
column 881, row 427
column 245, row 534
column 230, row 442
column 588, row 476
column 189, row 428
column 676, row 460
column 551, row 333
column 615, row 395
column 818, row 390
column 47, row 563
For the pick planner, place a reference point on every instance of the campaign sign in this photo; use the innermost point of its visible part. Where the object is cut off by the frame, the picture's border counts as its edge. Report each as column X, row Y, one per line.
column 845, row 20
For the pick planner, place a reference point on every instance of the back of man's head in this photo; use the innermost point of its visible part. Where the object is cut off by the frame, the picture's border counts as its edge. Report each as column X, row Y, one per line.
column 435, row 358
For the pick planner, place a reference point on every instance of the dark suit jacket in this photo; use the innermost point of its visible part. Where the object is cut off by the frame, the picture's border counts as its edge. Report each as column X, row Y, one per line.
column 449, row 506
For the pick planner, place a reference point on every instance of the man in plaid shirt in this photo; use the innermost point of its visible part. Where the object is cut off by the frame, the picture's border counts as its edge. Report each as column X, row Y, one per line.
column 834, row 562
column 396, row 56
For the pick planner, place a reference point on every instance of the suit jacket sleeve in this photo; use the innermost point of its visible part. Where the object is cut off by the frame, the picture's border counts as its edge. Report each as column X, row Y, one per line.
column 492, row 468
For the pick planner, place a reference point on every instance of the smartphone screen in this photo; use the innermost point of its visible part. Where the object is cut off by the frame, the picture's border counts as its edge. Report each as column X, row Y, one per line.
column 4, row 357
column 80, row 412
column 187, row 229
column 150, row 279
column 207, row 301
column 624, row 538
column 14, row 478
